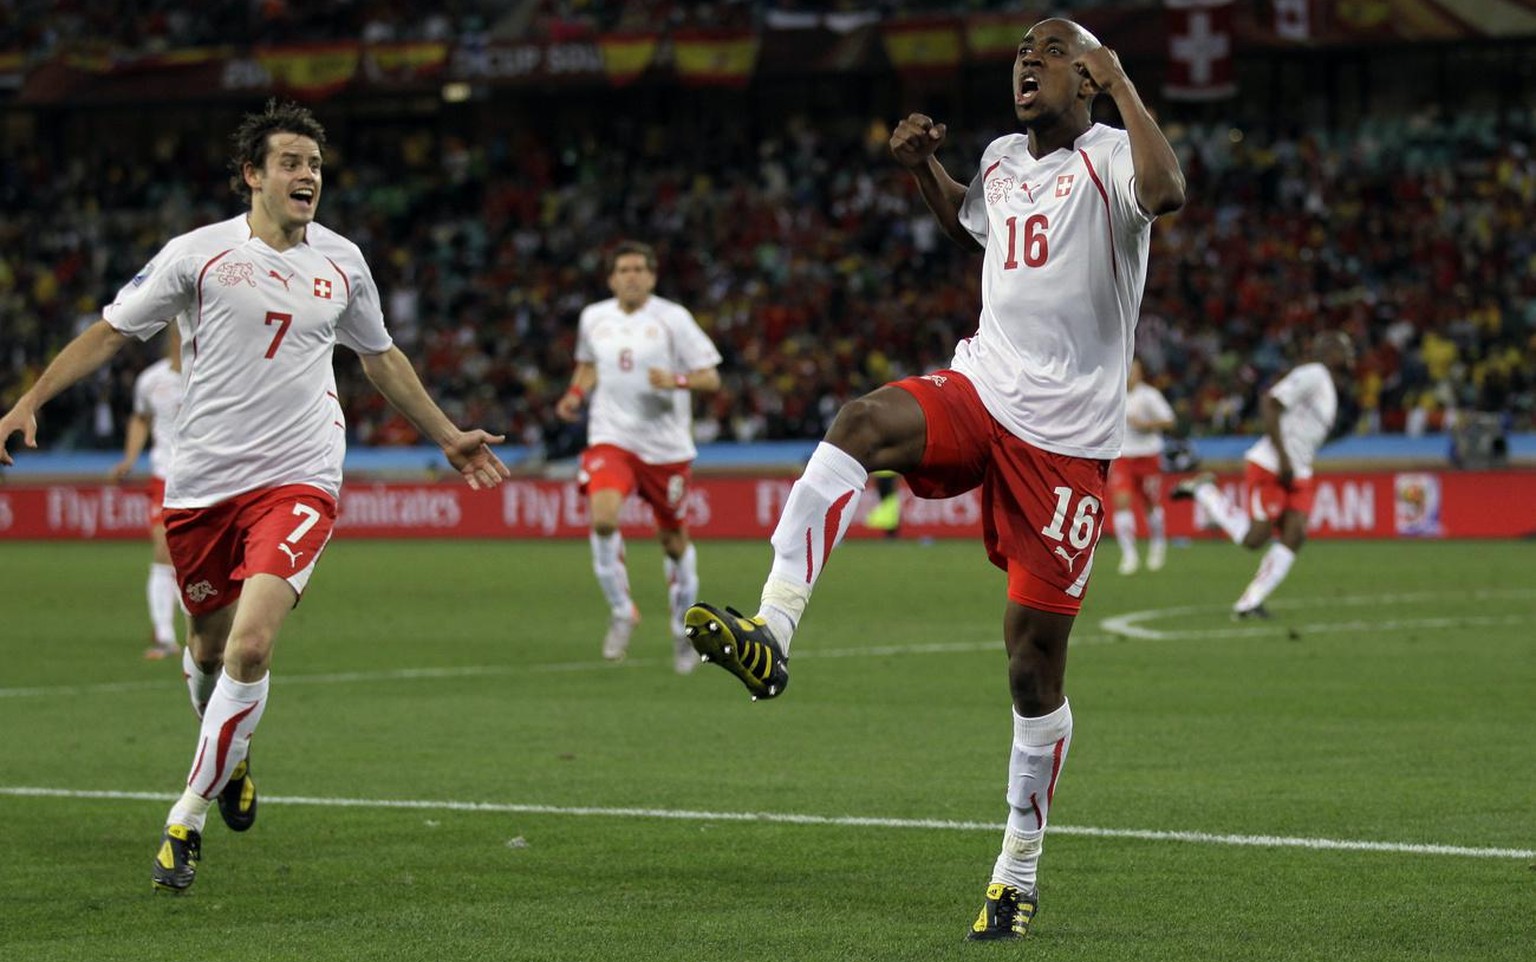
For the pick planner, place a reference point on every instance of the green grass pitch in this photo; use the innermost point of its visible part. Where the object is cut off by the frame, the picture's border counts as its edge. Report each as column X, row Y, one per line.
column 1390, row 702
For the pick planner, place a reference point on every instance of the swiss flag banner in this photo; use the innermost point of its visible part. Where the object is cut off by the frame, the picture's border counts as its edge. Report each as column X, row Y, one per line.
column 1199, row 50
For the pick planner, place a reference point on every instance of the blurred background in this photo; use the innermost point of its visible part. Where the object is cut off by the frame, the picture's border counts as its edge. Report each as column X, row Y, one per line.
column 1363, row 165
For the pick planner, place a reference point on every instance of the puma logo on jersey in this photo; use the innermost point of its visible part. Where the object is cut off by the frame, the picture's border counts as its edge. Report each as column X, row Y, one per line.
column 293, row 556
column 278, row 277
column 937, row 379
column 1070, row 559
column 1028, row 192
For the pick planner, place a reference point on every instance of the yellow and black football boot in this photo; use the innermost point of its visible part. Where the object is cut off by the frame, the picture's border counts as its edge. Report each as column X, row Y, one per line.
column 742, row 646
column 237, row 802
column 1006, row 914
column 181, row 848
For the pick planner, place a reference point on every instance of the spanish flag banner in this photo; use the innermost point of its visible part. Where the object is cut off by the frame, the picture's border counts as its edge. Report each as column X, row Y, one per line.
column 313, row 69
column 626, row 56
column 917, row 46
column 714, row 57
column 994, row 36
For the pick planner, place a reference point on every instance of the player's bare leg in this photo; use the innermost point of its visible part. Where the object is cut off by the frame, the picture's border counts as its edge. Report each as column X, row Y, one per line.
column 884, row 430
column 1042, row 733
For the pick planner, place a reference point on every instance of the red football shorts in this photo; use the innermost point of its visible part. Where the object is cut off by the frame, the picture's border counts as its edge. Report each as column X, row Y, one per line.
column 1137, row 475
column 1268, row 499
column 1041, row 512
column 608, row 467
column 156, row 492
column 277, row 531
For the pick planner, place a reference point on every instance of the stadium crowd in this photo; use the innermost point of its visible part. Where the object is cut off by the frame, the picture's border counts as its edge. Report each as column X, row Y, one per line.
column 809, row 258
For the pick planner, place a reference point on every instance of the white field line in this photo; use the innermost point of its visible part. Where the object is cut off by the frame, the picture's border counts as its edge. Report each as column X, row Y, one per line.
column 469, row 671
column 1116, row 629
column 791, row 818
column 1132, row 624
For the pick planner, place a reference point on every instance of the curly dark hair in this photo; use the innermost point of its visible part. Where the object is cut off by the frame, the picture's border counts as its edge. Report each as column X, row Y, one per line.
column 249, row 141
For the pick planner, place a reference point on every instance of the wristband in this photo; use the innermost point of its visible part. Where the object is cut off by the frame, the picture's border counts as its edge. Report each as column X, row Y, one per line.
column 576, row 390
column 681, row 380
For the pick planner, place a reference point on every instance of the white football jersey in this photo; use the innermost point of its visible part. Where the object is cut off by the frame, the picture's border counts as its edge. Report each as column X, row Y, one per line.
column 157, row 396
column 1061, row 284
column 654, row 425
column 1144, row 403
column 1311, row 403
column 260, row 407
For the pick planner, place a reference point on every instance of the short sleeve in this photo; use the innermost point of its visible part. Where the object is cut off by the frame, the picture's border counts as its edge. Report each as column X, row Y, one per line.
column 1122, row 186
column 973, row 208
column 141, row 405
column 694, row 350
column 160, row 290
column 1296, row 386
column 361, row 325
column 584, row 352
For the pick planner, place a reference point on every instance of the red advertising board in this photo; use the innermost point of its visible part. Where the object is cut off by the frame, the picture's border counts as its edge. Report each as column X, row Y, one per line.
column 1384, row 504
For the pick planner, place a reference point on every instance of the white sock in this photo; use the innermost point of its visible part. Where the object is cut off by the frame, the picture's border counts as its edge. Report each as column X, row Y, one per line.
column 1125, row 530
column 199, row 683
column 232, row 715
column 162, row 593
column 1157, row 531
column 682, row 585
column 1219, row 508
column 1039, row 753
column 1272, row 570
column 820, row 508
column 612, row 575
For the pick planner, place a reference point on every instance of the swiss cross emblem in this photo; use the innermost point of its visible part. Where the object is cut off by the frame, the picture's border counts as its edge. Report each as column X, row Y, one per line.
column 1064, row 184
column 322, row 288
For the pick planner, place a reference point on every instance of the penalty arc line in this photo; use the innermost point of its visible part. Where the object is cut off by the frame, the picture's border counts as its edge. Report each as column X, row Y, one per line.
column 792, row 818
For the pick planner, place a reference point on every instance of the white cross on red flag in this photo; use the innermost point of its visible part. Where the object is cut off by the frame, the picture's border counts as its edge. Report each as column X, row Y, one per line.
column 1199, row 50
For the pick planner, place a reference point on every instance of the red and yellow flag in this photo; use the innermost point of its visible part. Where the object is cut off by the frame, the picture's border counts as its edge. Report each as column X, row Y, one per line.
column 715, row 57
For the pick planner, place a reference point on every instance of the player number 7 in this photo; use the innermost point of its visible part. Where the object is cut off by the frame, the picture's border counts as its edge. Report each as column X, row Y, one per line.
column 282, row 321
column 310, row 516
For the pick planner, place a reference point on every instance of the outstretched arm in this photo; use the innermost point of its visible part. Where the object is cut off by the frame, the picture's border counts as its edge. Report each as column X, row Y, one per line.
column 913, row 144
column 1159, row 180
column 93, row 348
column 468, row 451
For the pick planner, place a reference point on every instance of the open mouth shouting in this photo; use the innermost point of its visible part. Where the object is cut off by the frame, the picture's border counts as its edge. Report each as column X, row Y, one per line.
column 1029, row 90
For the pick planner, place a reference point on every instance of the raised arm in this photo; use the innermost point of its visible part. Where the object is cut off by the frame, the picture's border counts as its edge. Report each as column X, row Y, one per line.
column 468, row 451
column 913, row 144
column 93, row 348
column 1159, row 180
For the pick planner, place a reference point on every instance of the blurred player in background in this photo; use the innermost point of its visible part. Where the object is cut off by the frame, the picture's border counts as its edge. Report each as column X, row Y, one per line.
column 1299, row 412
column 1138, row 474
column 1031, row 410
column 156, row 401
column 640, row 359
column 251, row 496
